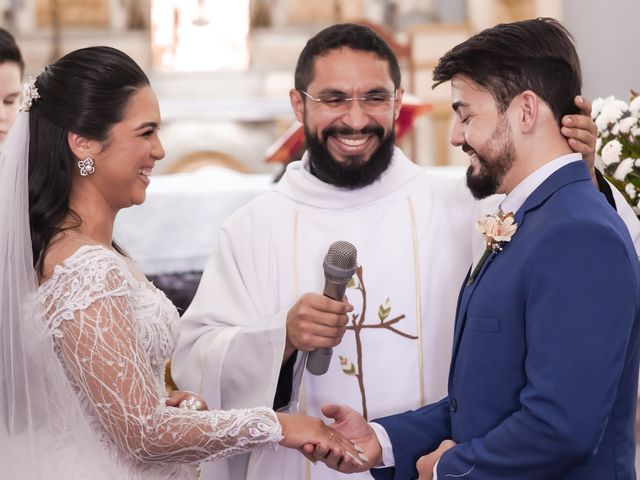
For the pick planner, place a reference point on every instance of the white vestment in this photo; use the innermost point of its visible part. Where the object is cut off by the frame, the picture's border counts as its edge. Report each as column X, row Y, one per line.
column 416, row 240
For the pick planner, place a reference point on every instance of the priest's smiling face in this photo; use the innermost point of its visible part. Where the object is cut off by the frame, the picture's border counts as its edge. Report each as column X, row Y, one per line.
column 483, row 133
column 350, row 141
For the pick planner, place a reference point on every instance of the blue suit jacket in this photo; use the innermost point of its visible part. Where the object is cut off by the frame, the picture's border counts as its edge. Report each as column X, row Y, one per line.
column 544, row 372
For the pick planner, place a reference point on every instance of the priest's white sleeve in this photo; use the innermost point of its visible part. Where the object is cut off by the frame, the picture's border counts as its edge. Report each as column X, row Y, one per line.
column 628, row 216
column 232, row 341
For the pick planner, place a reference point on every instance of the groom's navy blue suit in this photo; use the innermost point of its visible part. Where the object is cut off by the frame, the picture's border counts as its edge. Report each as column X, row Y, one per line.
column 543, row 378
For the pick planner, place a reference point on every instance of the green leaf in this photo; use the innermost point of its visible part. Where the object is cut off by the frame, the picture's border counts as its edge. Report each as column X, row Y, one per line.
column 347, row 367
column 352, row 283
column 384, row 310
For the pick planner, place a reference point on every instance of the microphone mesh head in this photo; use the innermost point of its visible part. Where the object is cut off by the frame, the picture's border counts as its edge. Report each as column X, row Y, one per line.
column 340, row 262
column 342, row 255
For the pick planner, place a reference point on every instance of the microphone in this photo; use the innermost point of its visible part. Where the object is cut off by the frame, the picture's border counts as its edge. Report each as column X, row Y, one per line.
column 339, row 265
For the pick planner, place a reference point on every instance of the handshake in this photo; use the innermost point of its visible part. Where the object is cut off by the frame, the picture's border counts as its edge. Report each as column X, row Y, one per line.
column 349, row 445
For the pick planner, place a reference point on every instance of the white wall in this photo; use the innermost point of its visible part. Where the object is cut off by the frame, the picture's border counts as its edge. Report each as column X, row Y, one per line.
column 606, row 35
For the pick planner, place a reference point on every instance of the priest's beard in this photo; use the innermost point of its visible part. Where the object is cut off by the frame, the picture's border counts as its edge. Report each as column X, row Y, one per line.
column 493, row 167
column 355, row 171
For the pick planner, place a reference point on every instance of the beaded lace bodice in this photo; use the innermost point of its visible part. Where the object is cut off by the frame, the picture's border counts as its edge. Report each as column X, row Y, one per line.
column 114, row 335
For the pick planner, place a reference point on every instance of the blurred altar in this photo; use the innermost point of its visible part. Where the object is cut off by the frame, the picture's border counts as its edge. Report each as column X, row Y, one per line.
column 222, row 70
column 173, row 233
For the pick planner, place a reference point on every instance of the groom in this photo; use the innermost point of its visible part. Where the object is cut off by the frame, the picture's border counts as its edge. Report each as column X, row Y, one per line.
column 544, row 370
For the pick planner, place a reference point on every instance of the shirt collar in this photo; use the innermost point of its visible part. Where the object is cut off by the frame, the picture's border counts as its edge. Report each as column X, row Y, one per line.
column 516, row 197
column 305, row 189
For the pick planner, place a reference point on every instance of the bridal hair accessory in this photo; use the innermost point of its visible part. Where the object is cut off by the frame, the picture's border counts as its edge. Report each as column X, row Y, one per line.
column 86, row 166
column 191, row 403
column 29, row 94
column 497, row 228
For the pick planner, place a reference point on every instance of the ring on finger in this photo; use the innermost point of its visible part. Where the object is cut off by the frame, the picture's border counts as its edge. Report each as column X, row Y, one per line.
column 191, row 403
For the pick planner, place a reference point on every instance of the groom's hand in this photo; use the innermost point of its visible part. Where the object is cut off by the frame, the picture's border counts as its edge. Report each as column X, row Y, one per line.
column 426, row 463
column 354, row 427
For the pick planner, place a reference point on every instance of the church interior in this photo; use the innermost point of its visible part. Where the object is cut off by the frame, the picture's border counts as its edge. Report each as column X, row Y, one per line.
column 222, row 71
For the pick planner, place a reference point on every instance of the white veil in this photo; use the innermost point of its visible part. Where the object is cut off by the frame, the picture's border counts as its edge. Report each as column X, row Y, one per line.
column 43, row 431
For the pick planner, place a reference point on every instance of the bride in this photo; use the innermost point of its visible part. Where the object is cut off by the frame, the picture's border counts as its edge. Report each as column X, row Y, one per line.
column 84, row 337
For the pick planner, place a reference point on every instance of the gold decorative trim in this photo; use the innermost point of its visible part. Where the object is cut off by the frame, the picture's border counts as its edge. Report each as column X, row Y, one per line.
column 296, row 293
column 294, row 258
column 418, row 287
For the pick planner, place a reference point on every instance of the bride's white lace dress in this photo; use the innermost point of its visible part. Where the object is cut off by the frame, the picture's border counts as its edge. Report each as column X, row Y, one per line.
column 114, row 335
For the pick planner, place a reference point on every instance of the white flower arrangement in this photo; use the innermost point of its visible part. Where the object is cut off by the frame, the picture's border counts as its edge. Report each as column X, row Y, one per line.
column 618, row 144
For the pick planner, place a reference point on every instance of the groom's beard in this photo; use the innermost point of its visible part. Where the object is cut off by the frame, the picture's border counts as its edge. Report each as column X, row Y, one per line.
column 492, row 168
column 355, row 172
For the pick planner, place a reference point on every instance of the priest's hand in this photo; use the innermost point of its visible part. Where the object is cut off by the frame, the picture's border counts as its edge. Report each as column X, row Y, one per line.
column 315, row 321
column 581, row 133
column 306, row 433
column 354, row 427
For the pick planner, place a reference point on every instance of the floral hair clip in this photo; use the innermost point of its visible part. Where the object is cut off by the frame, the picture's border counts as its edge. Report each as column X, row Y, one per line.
column 497, row 230
column 29, row 94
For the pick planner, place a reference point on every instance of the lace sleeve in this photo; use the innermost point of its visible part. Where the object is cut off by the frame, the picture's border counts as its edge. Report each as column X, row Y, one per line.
column 97, row 343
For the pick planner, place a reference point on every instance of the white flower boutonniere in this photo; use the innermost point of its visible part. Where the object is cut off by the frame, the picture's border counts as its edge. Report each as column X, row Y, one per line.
column 497, row 229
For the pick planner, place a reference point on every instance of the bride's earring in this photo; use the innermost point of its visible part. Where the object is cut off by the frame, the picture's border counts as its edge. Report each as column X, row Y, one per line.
column 86, row 166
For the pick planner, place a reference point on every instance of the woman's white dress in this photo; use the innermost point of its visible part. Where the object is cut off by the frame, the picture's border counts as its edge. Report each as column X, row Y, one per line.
column 114, row 334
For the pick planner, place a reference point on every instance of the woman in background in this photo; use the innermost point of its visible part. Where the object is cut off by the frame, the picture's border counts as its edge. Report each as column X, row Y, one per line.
column 11, row 73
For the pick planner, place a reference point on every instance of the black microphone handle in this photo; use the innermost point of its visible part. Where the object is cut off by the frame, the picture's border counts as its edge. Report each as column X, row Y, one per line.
column 319, row 360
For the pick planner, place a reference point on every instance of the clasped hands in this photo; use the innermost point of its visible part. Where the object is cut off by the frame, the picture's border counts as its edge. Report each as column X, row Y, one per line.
column 309, row 434
column 353, row 427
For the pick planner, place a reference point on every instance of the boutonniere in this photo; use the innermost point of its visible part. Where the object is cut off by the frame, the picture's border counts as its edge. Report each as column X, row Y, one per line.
column 497, row 229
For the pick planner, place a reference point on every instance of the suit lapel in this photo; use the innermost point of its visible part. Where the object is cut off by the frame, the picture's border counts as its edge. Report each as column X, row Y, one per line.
column 573, row 172
column 463, row 302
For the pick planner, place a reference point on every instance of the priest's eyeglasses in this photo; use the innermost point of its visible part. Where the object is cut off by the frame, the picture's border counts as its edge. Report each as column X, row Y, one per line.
column 339, row 103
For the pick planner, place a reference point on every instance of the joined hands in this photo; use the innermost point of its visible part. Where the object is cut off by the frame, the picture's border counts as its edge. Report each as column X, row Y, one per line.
column 352, row 426
column 308, row 434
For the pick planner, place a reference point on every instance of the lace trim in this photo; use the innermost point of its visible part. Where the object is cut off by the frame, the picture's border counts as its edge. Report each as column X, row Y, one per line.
column 113, row 348
column 81, row 280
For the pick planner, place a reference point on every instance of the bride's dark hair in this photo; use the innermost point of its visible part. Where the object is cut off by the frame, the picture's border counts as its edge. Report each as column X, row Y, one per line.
column 85, row 92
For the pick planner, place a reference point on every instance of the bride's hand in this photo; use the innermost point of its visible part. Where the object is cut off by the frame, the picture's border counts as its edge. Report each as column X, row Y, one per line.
column 301, row 430
column 176, row 397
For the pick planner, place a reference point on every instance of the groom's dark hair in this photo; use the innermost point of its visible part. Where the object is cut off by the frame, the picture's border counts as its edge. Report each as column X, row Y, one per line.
column 537, row 55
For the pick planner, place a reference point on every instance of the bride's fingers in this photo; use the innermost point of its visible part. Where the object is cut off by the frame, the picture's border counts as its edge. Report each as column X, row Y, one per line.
column 307, row 455
column 321, row 451
column 308, row 449
column 175, row 397
column 346, row 463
